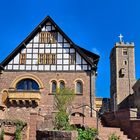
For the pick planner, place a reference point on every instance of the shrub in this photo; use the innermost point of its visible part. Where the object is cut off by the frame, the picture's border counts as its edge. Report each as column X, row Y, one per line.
column 114, row 137
column 87, row 134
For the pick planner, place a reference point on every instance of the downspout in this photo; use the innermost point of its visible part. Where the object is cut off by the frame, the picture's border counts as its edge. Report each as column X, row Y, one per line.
column 92, row 91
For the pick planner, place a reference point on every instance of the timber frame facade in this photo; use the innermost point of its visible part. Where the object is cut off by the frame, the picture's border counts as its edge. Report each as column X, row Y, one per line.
column 45, row 60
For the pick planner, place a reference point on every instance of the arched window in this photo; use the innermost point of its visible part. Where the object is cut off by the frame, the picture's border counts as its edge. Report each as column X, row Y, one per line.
column 54, row 86
column 79, row 87
column 27, row 84
column 62, row 85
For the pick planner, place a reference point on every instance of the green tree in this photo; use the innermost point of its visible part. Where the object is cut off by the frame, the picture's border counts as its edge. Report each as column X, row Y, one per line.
column 63, row 99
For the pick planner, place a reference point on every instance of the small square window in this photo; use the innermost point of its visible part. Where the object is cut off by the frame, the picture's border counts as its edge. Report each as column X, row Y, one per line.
column 125, row 52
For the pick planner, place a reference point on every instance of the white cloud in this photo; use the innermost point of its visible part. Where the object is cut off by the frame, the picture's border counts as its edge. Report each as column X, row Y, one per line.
column 96, row 51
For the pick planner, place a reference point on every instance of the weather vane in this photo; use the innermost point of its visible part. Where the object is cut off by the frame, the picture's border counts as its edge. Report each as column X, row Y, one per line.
column 120, row 36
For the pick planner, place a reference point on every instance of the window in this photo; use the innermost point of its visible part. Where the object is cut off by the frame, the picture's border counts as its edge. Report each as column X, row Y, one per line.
column 122, row 72
column 125, row 62
column 48, row 37
column 27, row 84
column 72, row 59
column 41, row 58
column 124, row 51
column 79, row 87
column 54, row 86
column 62, row 85
column 47, row 59
column 22, row 58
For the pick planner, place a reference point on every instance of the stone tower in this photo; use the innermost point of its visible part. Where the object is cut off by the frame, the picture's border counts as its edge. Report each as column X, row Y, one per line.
column 122, row 70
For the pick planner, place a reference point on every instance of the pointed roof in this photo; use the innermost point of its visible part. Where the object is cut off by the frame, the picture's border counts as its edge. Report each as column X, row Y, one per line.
column 86, row 54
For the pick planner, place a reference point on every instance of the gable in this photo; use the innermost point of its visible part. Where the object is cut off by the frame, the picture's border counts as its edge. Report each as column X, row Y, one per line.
column 47, row 42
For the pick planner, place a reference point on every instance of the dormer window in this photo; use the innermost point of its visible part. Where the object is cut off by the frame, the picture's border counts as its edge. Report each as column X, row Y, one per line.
column 48, row 37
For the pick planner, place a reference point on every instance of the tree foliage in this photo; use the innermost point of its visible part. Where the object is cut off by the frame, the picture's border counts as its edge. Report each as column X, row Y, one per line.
column 63, row 99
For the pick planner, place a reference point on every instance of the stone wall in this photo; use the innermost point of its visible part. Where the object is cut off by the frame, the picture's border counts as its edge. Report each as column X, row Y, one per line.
column 57, row 135
column 126, row 120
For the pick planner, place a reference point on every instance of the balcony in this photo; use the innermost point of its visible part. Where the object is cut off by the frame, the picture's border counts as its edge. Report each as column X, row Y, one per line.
column 24, row 97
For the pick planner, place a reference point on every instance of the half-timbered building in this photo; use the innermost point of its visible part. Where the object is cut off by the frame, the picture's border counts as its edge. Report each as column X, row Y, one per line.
column 47, row 59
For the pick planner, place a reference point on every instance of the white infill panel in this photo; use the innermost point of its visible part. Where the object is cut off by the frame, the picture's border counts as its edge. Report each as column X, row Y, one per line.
column 47, row 45
column 11, row 62
column 78, row 59
column 23, row 51
column 16, row 59
column 35, row 45
column 29, row 50
column 84, row 62
column 59, row 61
column 66, row 61
column 36, row 38
column 72, row 51
column 35, row 56
column 35, row 62
column 40, row 67
column 53, row 67
column 28, row 61
column 59, row 56
column 65, row 68
column 48, row 28
column 9, row 67
column 66, row 51
column 53, row 50
column 60, row 38
column 15, row 67
column 84, row 67
column 59, row 50
column 72, row 67
column 66, row 45
column 59, row 68
column 43, row 29
column 41, row 46
column 41, row 50
column 47, row 50
column 59, row 45
column 29, row 46
column 47, row 67
column 65, row 56
column 53, row 28
column 53, row 45
column 34, row 67
column 22, row 67
column 78, row 67
column 28, row 67
column 29, row 55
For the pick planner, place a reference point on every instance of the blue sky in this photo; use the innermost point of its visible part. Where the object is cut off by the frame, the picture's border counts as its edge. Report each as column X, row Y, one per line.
column 92, row 24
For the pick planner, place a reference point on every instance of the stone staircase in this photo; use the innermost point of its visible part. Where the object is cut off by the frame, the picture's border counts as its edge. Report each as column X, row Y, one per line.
column 105, row 131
